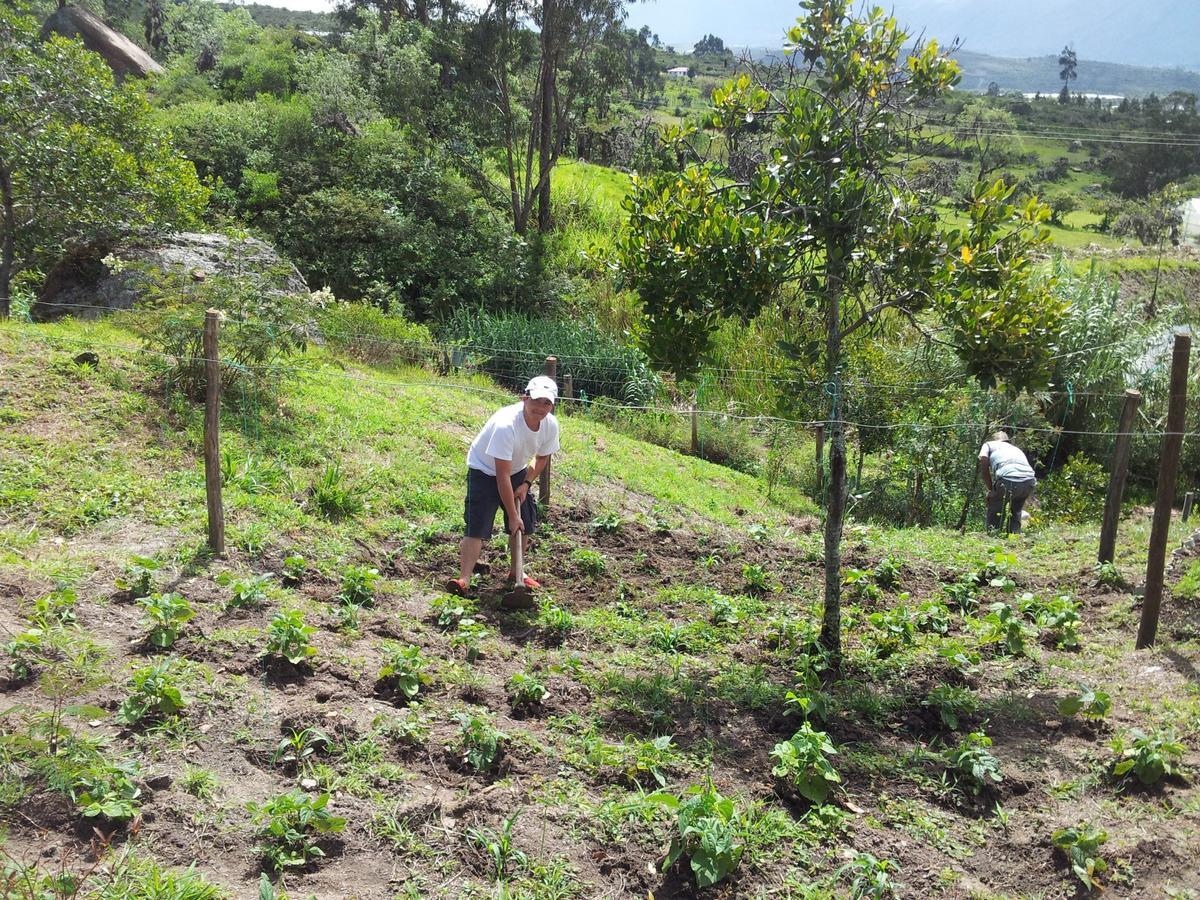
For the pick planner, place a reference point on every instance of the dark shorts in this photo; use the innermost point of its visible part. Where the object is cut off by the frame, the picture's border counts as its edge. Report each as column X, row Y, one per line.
column 483, row 499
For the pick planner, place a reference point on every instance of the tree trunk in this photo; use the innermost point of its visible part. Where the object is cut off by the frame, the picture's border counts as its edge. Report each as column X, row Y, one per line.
column 835, row 511
column 546, row 110
column 8, row 222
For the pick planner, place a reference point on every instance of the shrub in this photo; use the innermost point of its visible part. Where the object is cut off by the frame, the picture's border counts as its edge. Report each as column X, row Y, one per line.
column 707, row 833
column 802, row 764
column 165, row 614
column 289, row 826
column 1080, row 844
column 154, row 694
column 1075, row 493
column 367, row 333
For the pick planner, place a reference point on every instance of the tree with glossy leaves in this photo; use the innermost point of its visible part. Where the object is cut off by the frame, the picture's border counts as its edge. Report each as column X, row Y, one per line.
column 828, row 218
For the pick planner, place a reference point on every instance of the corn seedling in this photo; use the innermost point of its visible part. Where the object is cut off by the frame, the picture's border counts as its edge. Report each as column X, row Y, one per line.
column 505, row 858
column 299, row 746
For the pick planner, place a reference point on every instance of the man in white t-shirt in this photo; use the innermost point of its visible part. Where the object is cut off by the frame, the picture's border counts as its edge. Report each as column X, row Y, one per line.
column 1009, row 479
column 499, row 476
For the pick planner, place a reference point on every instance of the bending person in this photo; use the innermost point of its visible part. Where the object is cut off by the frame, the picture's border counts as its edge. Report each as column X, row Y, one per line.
column 1009, row 479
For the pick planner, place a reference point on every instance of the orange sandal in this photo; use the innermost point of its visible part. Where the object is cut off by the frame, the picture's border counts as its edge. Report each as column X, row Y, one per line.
column 528, row 582
column 458, row 587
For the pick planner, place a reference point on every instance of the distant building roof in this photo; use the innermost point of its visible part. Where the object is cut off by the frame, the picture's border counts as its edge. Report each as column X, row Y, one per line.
column 123, row 56
column 678, row 70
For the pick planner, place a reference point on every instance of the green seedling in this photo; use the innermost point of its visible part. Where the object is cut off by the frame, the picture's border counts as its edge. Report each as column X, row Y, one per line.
column 403, row 672
column 589, row 562
column 870, row 877
column 758, row 532
column 526, row 690
column 335, row 497
column 1080, row 844
column 294, row 570
column 449, row 610
column 107, row 791
column 557, row 621
column 165, row 615
column 137, row 576
column 971, row 765
column 480, row 742
column 1108, row 575
column 952, row 704
column 756, row 580
column 1150, row 757
column 245, row 593
column 1004, row 625
column 288, row 637
column 1087, row 704
column 289, row 826
column 154, row 695
column 887, row 572
column 802, row 764
column 606, row 523
column 299, row 746
column 963, row 594
column 469, row 638
column 708, row 833
column 358, row 586
column 55, row 609
column 932, row 617
column 897, row 630
column 862, row 588
column 1059, row 616
column 506, row 859
column 25, row 651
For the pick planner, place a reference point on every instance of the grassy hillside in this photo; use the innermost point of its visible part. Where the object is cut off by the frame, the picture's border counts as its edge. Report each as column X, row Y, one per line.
column 673, row 641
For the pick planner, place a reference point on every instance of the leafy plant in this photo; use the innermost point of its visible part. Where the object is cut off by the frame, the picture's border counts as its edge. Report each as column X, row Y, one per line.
column 896, row 628
column 200, row 783
column 297, row 747
column 469, row 637
column 708, row 833
column 245, row 593
column 758, row 532
column 107, row 790
column 802, row 763
column 154, row 695
column 862, row 588
column 137, row 576
column 963, row 594
column 294, row 570
column 479, row 740
column 289, row 826
column 506, row 859
column 165, row 614
column 557, row 621
column 404, row 670
column 952, row 703
column 887, row 572
column 971, row 764
column 1059, row 616
column 25, row 651
column 756, row 580
column 1005, row 625
column 809, row 699
column 449, row 610
column 589, row 562
column 606, row 523
column 335, row 497
column 525, row 689
column 54, row 609
column 1108, row 575
column 872, row 877
column 1087, row 703
column 288, row 637
column 932, row 617
column 724, row 610
column 1150, row 757
column 358, row 586
column 1080, row 844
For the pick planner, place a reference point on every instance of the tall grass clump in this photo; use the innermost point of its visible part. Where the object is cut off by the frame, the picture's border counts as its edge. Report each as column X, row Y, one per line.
column 512, row 347
column 379, row 338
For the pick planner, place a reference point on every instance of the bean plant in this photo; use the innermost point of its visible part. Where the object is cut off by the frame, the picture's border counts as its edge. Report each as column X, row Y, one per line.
column 971, row 765
column 870, row 877
column 802, row 764
column 403, row 671
column 245, row 593
column 480, row 742
column 137, row 576
column 289, row 826
column 526, row 690
column 708, row 833
column 55, row 609
column 358, row 586
column 288, row 637
column 1150, row 757
column 952, row 704
column 155, row 695
column 1086, row 703
column 1080, row 844
column 165, row 615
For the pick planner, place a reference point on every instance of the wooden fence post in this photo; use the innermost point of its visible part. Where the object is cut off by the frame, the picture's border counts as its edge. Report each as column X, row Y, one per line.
column 212, row 434
column 820, row 459
column 695, row 428
column 1116, row 478
column 551, row 372
column 1188, row 500
column 1168, row 474
column 568, row 390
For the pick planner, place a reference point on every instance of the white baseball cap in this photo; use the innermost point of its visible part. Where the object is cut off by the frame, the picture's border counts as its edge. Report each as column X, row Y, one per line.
column 542, row 388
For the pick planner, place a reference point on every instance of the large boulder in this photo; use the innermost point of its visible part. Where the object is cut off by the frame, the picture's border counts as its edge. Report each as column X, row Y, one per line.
column 123, row 56
column 82, row 285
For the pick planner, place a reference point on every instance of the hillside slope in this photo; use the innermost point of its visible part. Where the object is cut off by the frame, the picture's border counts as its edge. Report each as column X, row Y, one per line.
column 677, row 618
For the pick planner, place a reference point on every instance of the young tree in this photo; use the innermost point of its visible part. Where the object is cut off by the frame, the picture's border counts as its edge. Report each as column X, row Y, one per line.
column 1067, row 66
column 828, row 216
column 81, row 160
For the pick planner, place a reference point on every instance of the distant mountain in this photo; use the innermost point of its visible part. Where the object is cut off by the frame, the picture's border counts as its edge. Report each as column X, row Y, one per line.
column 1040, row 73
column 1143, row 33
